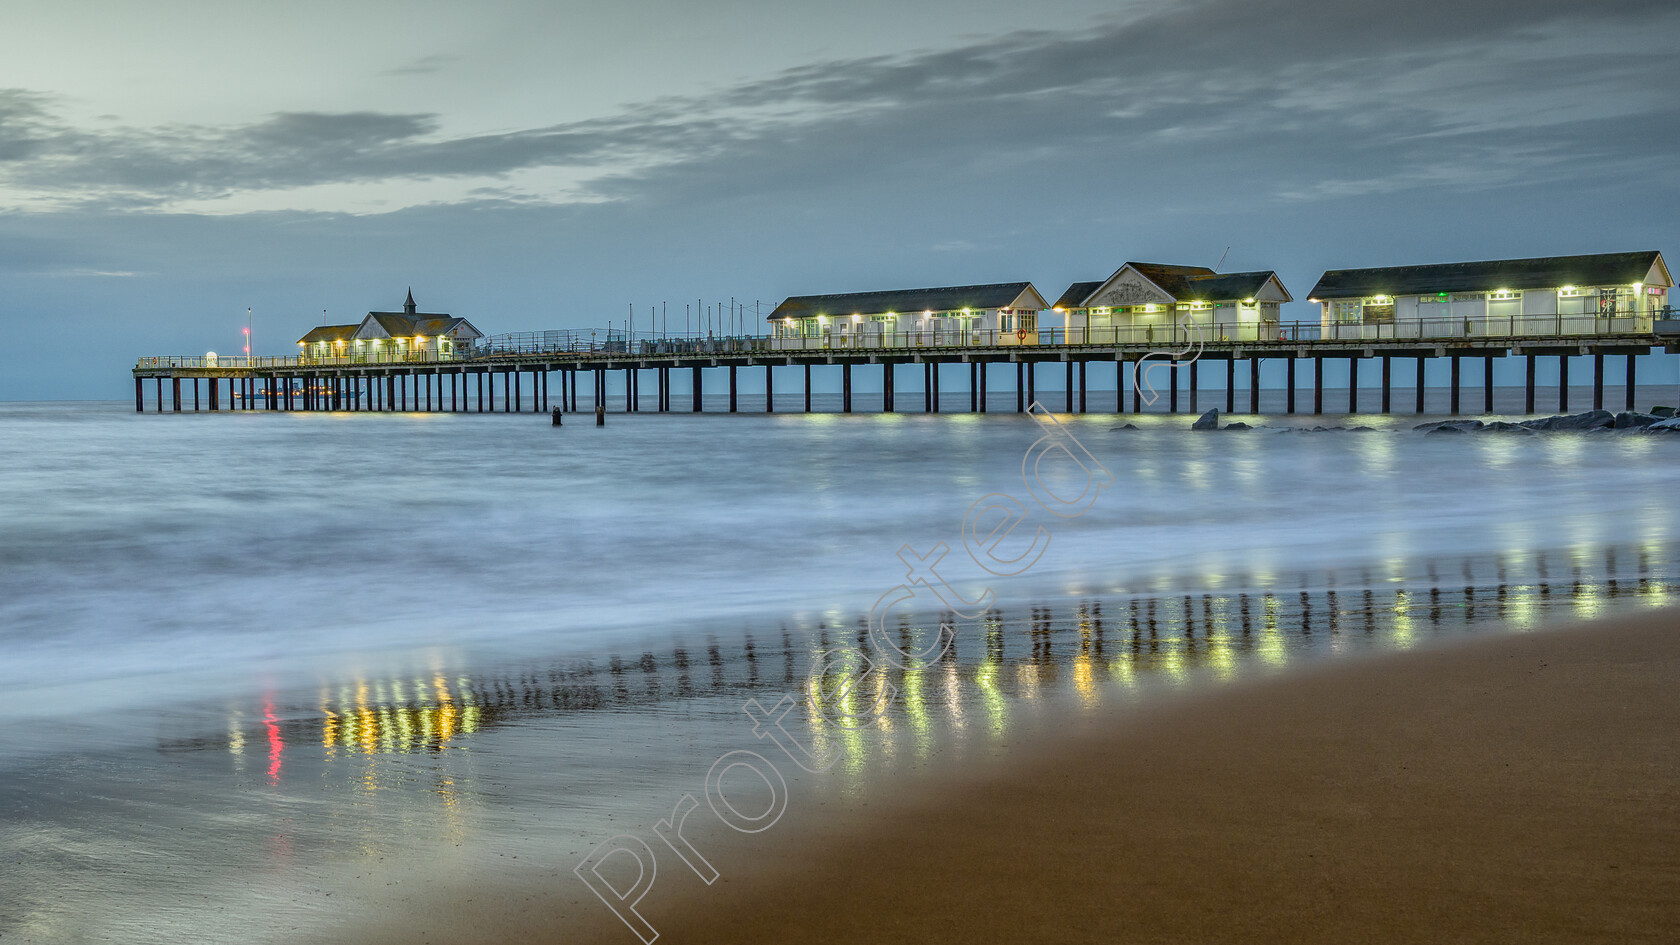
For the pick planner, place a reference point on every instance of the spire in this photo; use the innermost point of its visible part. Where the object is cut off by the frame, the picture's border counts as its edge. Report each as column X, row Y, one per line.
column 408, row 306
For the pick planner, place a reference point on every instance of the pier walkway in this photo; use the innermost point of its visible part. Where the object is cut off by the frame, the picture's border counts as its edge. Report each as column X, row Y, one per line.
column 524, row 364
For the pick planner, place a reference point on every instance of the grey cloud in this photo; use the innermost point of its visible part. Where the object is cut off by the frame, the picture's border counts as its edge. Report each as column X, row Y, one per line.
column 1293, row 100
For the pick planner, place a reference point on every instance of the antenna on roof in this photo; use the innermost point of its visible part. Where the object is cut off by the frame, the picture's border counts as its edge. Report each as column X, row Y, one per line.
column 1221, row 261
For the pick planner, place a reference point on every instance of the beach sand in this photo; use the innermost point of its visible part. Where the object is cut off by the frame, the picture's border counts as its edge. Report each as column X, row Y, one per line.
column 1518, row 788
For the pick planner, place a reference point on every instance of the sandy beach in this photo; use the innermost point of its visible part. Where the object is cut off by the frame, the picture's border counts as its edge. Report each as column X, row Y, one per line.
column 1510, row 789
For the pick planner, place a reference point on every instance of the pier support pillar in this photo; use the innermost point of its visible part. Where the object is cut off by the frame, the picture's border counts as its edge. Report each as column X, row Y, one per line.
column 808, row 387
column 175, row 385
column 1069, row 397
column 973, row 387
column 1318, row 385
column 927, row 387
column 1487, row 384
column 887, row 387
column 1253, row 386
column 982, row 388
column 1194, row 367
column 195, row 395
column 698, row 394
column 1630, row 382
column 1385, row 382
column 933, row 373
column 1421, row 363
column 1172, row 386
column 769, row 388
column 1598, row 382
column 732, row 394
column 1032, row 383
column 215, row 394
column 1528, row 386
column 139, row 395
column 1020, row 387
column 1082, row 388
column 1289, row 384
column 1231, row 385
column 846, row 388
column 1353, row 385
column 1454, row 384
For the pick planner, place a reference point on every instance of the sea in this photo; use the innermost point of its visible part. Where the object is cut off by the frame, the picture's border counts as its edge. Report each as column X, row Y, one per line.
column 257, row 668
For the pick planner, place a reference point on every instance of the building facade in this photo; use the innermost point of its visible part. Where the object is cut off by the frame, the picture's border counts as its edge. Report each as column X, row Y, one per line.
column 1152, row 303
column 409, row 335
column 1604, row 293
column 998, row 314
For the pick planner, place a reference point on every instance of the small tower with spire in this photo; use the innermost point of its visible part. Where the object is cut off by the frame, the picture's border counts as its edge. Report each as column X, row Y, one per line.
column 408, row 306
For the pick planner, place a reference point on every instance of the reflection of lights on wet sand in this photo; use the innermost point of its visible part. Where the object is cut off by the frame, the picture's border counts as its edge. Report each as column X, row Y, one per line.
column 1026, row 680
column 1085, row 680
column 953, row 696
column 1402, row 634
column 997, row 708
column 1122, row 671
column 1271, row 647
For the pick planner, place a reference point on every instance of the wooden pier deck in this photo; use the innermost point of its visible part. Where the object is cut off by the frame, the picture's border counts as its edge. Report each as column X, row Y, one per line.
column 468, row 383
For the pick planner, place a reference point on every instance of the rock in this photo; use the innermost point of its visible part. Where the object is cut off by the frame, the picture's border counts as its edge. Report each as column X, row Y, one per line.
column 1462, row 426
column 1671, row 425
column 1662, row 412
column 1238, row 425
column 1444, row 429
column 1363, row 430
column 1628, row 418
column 1505, row 426
column 1129, row 426
column 1207, row 421
column 1591, row 420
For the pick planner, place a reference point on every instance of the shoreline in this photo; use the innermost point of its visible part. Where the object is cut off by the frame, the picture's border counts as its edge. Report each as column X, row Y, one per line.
column 1517, row 787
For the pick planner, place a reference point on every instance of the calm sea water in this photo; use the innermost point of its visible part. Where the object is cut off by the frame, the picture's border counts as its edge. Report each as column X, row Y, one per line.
column 250, row 660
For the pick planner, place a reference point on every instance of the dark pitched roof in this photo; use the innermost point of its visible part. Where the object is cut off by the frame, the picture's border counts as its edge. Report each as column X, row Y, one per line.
column 398, row 325
column 1542, row 272
column 1183, row 283
column 945, row 299
column 329, row 333
column 1076, row 294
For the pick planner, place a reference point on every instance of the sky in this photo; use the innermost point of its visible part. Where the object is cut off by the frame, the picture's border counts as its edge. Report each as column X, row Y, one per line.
column 535, row 165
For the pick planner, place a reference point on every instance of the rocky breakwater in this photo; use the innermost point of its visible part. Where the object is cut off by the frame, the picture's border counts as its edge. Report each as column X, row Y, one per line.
column 1661, row 421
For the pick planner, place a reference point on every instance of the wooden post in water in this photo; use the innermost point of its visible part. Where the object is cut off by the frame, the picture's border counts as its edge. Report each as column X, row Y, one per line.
column 1421, row 362
column 1069, row 397
column 1172, row 386
column 808, row 386
column 139, row 395
column 981, row 391
column 846, row 387
column 1385, row 383
column 1289, row 384
column 1630, row 382
column 1318, row 385
column 732, row 388
column 769, row 388
column 927, row 387
column 973, row 387
column 1487, row 383
column 1137, row 386
column 1020, row 387
column 175, row 385
column 1528, row 386
column 1032, row 383
column 1254, row 385
column 698, row 394
column 1353, row 385
column 195, row 395
column 887, row 386
column 215, row 394
column 933, row 372
column 1454, row 385
column 1194, row 366
column 1082, row 385
column 1231, row 383
column 1598, row 382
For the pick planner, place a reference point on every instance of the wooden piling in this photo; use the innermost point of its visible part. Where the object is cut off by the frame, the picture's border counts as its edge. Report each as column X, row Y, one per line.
column 887, row 386
column 1421, row 362
column 933, row 372
column 1487, row 384
column 846, row 387
column 973, row 387
column 195, row 395
column 1137, row 387
column 1032, row 383
column 1231, row 384
column 1254, row 386
column 1454, row 385
column 1630, row 382
column 1353, row 385
column 1069, row 397
column 1082, row 386
column 139, row 395
column 1020, row 387
column 698, row 393
column 807, row 387
column 732, row 393
column 1598, row 382
column 1318, row 385
column 769, row 388
column 1289, row 384
column 1195, row 365
column 1172, row 386
column 1385, row 382
column 981, row 392
column 175, row 387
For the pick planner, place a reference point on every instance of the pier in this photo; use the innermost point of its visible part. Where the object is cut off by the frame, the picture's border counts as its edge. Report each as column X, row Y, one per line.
column 570, row 370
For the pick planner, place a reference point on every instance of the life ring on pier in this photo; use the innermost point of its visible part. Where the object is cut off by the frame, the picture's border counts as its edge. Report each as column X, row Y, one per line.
column 1020, row 334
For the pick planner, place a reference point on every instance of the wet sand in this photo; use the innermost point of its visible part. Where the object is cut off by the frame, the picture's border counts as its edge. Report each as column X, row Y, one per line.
column 1521, row 788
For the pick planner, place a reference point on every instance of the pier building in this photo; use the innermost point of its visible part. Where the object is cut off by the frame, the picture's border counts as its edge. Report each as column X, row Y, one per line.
column 1000, row 314
column 1150, row 302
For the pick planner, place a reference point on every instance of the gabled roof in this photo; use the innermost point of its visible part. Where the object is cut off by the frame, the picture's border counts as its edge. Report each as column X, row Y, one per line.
column 1541, row 272
column 398, row 325
column 1076, row 295
column 944, row 299
column 329, row 334
column 1183, row 284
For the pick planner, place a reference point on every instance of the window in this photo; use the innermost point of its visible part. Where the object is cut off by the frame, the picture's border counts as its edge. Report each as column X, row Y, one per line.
column 1347, row 312
column 1503, row 295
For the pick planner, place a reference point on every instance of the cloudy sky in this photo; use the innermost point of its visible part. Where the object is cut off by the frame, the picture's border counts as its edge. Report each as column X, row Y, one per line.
column 163, row 166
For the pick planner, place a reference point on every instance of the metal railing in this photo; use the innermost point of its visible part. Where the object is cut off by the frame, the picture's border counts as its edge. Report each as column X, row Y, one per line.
column 1167, row 334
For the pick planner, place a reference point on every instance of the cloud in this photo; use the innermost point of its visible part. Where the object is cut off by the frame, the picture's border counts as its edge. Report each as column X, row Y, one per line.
column 1273, row 100
column 425, row 65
